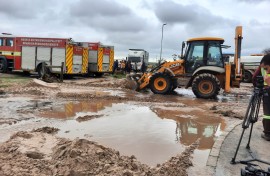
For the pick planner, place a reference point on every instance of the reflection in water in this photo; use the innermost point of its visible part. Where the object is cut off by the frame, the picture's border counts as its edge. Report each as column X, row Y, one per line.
column 191, row 123
column 190, row 131
column 153, row 135
column 70, row 109
column 194, row 125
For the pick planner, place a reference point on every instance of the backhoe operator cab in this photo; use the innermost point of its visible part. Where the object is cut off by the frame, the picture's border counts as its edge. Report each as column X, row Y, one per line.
column 203, row 52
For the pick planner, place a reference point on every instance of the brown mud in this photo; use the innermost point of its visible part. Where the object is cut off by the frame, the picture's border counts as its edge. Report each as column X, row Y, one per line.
column 40, row 152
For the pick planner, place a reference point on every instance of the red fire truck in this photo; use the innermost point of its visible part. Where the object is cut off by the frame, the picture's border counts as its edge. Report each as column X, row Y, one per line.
column 28, row 54
column 101, row 58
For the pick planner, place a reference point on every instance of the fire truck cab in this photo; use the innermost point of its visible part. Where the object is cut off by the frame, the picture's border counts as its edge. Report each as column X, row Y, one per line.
column 6, row 53
column 29, row 53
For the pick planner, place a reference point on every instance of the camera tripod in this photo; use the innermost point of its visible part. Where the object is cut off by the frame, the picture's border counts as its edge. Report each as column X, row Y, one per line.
column 251, row 117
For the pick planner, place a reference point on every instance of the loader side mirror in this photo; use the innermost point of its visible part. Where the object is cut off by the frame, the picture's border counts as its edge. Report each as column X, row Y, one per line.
column 183, row 45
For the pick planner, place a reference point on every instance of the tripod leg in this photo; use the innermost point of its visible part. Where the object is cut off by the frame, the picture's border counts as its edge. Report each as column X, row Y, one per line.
column 233, row 159
column 254, row 115
column 251, row 128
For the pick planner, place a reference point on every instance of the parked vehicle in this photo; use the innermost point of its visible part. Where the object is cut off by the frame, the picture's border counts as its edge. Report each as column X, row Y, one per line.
column 30, row 53
column 250, row 64
column 100, row 59
column 137, row 57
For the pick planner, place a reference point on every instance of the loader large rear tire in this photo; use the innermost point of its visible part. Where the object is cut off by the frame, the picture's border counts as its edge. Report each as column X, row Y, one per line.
column 160, row 83
column 206, row 86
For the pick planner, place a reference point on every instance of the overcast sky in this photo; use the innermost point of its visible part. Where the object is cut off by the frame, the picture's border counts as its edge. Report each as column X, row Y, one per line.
column 138, row 23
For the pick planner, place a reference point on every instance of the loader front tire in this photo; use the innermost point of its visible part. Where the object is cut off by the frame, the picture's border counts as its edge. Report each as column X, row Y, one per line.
column 206, row 86
column 160, row 83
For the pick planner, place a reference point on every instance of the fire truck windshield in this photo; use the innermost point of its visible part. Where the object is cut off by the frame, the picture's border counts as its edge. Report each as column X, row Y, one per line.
column 1, row 42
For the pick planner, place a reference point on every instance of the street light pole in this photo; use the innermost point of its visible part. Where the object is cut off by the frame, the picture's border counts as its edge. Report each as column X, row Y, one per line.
column 161, row 41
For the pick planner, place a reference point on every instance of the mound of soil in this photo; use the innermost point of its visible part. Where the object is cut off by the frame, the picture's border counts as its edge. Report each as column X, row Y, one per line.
column 32, row 153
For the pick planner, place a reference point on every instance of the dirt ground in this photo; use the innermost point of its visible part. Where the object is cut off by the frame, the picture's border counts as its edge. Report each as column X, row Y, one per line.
column 40, row 152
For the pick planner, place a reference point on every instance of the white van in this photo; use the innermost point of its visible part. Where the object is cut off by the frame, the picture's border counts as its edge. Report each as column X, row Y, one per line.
column 250, row 63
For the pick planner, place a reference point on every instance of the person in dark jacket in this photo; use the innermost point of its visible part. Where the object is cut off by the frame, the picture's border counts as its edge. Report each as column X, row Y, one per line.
column 143, row 67
column 264, row 70
column 257, row 73
column 115, row 66
column 128, row 67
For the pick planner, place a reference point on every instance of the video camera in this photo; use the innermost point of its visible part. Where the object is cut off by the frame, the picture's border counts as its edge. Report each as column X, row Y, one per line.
column 259, row 82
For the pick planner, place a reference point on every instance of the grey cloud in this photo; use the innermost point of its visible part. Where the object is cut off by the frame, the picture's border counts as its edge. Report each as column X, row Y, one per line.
column 105, row 15
column 253, row 1
column 194, row 17
column 23, row 9
column 85, row 8
column 168, row 11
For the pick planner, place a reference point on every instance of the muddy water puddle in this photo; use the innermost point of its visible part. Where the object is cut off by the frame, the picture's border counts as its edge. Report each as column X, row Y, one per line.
column 222, row 97
column 152, row 133
column 17, row 114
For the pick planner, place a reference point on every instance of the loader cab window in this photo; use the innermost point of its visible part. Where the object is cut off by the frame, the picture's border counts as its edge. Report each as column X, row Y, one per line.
column 214, row 56
column 9, row 42
column 194, row 57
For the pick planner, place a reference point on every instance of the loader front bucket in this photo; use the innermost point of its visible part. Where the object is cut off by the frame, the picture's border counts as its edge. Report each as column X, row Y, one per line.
column 132, row 81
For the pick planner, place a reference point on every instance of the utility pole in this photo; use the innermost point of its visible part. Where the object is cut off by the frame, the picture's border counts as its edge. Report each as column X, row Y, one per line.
column 161, row 41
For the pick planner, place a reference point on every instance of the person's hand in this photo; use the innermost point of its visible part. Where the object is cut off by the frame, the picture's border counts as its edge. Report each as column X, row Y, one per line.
column 267, row 79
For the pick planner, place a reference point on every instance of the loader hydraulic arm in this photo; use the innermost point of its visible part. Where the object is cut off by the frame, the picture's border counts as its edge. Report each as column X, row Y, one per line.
column 237, row 56
column 233, row 75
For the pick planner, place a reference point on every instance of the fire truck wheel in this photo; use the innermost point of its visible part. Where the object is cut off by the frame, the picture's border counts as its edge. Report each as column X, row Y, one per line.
column 160, row 83
column 98, row 74
column 3, row 65
column 206, row 86
column 26, row 73
column 41, row 72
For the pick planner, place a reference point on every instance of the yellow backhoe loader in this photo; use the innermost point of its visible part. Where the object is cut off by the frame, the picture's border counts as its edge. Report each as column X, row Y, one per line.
column 201, row 67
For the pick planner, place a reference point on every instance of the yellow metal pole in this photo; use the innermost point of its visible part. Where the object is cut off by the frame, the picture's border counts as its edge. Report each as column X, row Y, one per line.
column 227, row 77
column 237, row 55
